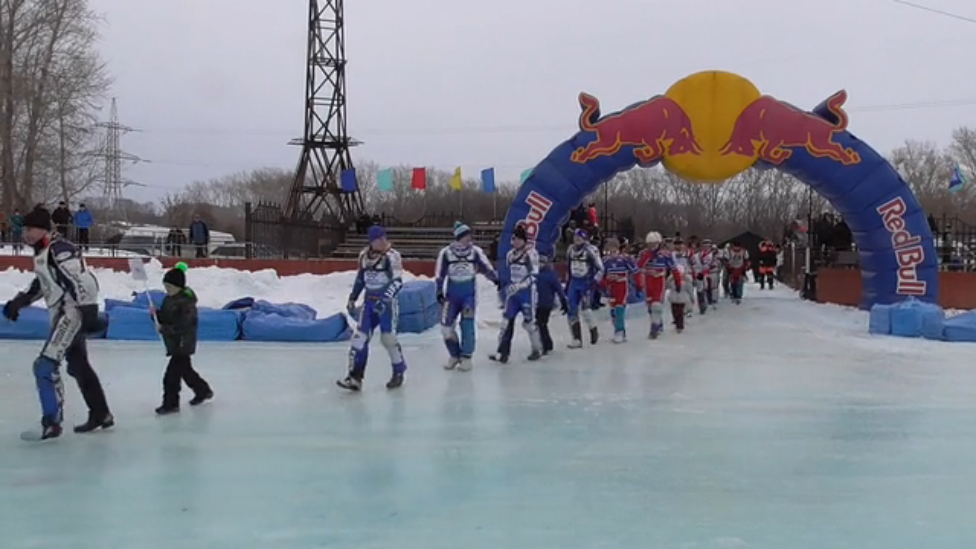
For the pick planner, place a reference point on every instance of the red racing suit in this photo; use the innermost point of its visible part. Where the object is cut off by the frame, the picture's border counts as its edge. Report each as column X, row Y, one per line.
column 654, row 268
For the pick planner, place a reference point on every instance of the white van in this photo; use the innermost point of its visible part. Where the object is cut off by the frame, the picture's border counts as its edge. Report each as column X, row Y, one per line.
column 151, row 240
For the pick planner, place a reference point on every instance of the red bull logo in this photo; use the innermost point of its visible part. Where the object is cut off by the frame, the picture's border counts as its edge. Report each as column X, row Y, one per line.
column 655, row 127
column 768, row 128
column 538, row 208
column 908, row 247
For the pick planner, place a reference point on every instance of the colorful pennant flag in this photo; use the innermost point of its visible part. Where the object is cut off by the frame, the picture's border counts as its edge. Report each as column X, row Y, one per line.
column 488, row 180
column 958, row 180
column 384, row 180
column 456, row 182
column 525, row 175
column 347, row 178
column 419, row 179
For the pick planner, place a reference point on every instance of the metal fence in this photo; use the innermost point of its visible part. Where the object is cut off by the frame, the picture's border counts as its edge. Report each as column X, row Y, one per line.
column 269, row 234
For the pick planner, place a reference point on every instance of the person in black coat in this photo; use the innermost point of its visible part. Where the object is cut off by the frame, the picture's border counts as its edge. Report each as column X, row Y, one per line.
column 177, row 320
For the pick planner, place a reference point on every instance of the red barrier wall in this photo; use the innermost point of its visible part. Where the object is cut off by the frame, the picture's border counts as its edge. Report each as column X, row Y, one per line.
column 288, row 267
column 957, row 290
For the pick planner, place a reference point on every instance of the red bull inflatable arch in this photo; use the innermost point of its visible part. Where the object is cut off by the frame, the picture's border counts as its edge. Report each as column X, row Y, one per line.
column 713, row 125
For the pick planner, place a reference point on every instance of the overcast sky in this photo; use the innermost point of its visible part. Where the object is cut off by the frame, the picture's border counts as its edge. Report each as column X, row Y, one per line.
column 217, row 86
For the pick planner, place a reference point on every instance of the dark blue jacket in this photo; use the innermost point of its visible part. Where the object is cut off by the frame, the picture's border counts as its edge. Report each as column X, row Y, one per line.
column 548, row 288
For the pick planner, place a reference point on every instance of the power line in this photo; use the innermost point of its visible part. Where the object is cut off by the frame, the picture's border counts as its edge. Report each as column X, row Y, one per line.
column 934, row 10
column 943, row 103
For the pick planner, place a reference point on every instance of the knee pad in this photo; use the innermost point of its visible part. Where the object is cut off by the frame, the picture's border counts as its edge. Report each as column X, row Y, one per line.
column 656, row 307
column 448, row 332
column 44, row 367
column 467, row 313
column 359, row 340
column 389, row 340
column 530, row 326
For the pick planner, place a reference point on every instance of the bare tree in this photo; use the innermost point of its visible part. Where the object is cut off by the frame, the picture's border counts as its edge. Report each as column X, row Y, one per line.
column 51, row 83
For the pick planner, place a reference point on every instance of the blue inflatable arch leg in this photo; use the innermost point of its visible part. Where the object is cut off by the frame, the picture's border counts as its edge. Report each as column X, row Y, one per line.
column 890, row 229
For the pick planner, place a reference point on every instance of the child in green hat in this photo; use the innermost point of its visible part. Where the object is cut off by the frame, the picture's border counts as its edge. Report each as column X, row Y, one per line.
column 177, row 319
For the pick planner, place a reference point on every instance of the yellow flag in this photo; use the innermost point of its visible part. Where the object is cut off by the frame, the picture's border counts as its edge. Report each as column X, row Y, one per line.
column 456, row 180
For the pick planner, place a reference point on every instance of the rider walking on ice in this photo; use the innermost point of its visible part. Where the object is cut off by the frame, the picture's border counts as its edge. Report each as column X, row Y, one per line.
column 380, row 275
column 457, row 267
column 71, row 292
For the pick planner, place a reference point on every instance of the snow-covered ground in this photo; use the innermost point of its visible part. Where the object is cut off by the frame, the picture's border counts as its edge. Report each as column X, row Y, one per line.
column 778, row 423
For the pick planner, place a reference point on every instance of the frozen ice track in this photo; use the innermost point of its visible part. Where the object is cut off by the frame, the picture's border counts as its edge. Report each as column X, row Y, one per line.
column 773, row 424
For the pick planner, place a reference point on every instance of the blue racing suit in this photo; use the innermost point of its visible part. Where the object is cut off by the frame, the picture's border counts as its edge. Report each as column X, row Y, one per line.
column 457, row 268
column 380, row 275
column 520, row 296
column 585, row 273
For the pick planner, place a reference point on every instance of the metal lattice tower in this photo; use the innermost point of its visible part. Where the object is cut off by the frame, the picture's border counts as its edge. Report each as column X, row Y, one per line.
column 316, row 192
column 112, row 154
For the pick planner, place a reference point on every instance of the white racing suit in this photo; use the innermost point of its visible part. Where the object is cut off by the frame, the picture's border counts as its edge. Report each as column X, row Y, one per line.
column 70, row 291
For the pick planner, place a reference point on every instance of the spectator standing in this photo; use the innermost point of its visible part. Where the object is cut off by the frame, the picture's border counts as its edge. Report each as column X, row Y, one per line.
column 17, row 229
column 593, row 217
column 84, row 222
column 62, row 219
column 199, row 236
column 175, row 240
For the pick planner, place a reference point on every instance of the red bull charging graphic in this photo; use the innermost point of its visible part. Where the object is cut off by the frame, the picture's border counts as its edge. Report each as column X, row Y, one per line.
column 713, row 125
column 769, row 129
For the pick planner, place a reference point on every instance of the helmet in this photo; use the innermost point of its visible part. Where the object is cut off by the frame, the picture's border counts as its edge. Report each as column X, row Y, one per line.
column 706, row 242
column 521, row 232
column 653, row 237
column 581, row 233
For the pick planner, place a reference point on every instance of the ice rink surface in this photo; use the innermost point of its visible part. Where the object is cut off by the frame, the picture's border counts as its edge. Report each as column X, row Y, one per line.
column 775, row 424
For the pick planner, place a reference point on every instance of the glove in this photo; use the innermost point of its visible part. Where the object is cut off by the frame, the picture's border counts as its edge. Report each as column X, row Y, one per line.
column 351, row 307
column 11, row 310
column 498, row 284
column 440, row 297
column 90, row 323
column 380, row 306
column 564, row 308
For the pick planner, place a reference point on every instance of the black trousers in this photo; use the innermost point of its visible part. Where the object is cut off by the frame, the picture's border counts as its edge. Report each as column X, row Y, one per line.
column 88, row 383
column 179, row 370
column 83, row 237
column 201, row 251
column 542, row 321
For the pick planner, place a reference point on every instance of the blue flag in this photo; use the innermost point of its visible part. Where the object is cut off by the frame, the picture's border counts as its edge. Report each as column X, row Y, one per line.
column 488, row 180
column 958, row 180
column 348, row 180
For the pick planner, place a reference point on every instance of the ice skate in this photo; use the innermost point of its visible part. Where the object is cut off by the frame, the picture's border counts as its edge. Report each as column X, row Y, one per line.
column 350, row 383
column 452, row 363
column 166, row 410
column 575, row 344
column 201, row 398
column 94, row 423
column 536, row 355
column 465, row 364
column 594, row 335
column 45, row 431
column 498, row 358
column 656, row 329
column 396, row 380
column 619, row 337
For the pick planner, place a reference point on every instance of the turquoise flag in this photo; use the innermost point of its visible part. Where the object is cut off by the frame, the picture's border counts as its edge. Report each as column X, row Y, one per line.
column 958, row 180
column 384, row 179
column 525, row 175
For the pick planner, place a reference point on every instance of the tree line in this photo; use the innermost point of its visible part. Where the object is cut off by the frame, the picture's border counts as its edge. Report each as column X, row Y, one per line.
column 762, row 201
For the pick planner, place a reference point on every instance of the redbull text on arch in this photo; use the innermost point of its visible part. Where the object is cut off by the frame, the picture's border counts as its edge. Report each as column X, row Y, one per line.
column 908, row 247
column 538, row 208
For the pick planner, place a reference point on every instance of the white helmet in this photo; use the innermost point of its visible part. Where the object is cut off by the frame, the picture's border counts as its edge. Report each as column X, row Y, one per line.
column 653, row 237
